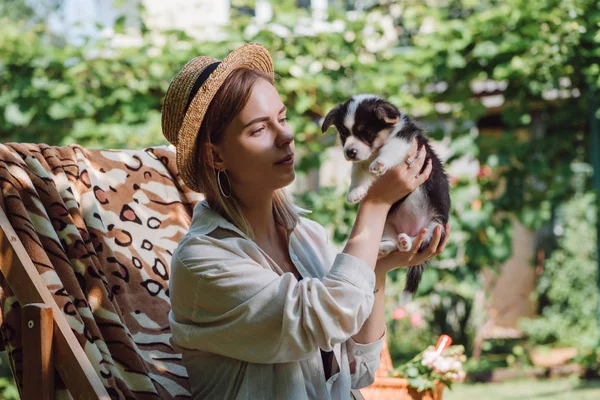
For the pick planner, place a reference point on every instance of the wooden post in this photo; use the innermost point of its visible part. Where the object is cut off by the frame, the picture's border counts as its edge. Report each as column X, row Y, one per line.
column 38, row 357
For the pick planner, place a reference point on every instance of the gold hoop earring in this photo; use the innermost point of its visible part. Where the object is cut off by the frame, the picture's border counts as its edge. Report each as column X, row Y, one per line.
column 221, row 187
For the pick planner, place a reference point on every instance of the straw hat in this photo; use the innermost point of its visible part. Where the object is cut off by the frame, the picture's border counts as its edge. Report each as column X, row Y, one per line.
column 190, row 94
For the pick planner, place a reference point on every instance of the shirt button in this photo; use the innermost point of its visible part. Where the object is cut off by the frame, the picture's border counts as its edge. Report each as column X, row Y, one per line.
column 357, row 352
column 294, row 257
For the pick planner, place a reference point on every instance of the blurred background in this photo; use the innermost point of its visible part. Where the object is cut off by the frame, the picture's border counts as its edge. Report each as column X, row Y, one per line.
column 508, row 91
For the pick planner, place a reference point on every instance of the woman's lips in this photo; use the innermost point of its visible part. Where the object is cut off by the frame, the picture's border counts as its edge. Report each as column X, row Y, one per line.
column 287, row 160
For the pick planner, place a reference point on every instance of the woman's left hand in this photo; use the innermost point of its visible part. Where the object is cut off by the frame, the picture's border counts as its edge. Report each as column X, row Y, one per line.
column 400, row 259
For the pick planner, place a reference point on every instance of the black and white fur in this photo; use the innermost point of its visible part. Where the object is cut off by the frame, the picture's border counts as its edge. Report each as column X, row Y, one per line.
column 376, row 137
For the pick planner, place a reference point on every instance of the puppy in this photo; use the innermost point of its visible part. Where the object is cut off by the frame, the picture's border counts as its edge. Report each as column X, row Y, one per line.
column 376, row 137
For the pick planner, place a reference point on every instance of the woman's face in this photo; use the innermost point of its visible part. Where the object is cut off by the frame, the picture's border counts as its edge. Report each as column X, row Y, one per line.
column 255, row 140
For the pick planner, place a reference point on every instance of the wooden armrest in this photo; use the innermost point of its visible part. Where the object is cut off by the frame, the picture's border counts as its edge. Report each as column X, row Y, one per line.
column 37, row 327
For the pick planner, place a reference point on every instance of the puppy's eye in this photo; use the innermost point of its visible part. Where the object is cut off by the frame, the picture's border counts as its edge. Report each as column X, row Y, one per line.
column 360, row 127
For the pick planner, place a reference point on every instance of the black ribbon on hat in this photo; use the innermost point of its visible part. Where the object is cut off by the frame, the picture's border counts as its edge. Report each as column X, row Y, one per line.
column 200, row 81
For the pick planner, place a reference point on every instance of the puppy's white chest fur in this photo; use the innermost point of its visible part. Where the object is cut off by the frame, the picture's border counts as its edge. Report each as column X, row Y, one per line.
column 393, row 152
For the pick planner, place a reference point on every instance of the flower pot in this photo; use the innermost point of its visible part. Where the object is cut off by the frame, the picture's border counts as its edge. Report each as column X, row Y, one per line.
column 389, row 388
column 398, row 389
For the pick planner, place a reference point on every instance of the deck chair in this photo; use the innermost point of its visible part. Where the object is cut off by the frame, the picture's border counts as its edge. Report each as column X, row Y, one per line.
column 86, row 239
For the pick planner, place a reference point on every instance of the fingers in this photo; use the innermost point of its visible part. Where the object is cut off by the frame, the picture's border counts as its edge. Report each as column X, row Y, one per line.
column 412, row 154
column 414, row 149
column 409, row 258
column 431, row 248
column 435, row 241
column 420, row 160
column 419, row 240
column 419, row 179
column 442, row 246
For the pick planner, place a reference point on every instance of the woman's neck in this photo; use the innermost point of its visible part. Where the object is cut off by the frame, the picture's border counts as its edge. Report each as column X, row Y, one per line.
column 259, row 213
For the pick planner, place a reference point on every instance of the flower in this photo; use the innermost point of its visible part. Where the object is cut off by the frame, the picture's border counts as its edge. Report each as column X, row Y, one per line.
column 429, row 358
column 399, row 313
column 416, row 319
column 484, row 171
column 455, row 365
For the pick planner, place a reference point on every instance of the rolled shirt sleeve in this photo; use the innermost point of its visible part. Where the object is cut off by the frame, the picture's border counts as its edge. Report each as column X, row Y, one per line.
column 367, row 357
column 248, row 312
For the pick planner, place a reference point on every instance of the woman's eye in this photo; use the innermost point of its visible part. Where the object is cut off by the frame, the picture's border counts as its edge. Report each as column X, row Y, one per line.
column 258, row 130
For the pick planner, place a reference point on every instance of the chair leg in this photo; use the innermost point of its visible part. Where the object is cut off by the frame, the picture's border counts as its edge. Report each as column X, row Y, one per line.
column 38, row 354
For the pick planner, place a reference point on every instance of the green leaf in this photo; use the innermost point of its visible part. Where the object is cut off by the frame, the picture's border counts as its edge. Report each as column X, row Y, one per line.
column 14, row 115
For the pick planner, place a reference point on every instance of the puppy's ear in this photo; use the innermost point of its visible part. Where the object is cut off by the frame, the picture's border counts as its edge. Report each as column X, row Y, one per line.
column 328, row 121
column 387, row 113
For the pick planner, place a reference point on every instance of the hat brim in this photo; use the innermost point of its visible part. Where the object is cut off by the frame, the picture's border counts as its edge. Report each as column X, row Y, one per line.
column 251, row 56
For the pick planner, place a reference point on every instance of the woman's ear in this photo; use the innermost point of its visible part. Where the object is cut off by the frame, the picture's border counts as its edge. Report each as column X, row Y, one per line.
column 210, row 152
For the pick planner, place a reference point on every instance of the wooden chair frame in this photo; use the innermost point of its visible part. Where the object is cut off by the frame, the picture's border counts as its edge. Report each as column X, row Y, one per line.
column 49, row 344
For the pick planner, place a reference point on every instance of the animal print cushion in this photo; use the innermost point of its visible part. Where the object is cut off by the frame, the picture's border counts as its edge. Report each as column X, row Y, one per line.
column 101, row 226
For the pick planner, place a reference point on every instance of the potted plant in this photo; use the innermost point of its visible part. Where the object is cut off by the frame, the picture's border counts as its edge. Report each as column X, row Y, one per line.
column 422, row 378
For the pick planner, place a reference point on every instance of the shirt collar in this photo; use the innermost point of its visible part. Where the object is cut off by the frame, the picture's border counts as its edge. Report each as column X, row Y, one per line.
column 206, row 220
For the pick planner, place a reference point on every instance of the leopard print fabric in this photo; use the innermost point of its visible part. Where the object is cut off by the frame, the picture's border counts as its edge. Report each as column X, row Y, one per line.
column 100, row 227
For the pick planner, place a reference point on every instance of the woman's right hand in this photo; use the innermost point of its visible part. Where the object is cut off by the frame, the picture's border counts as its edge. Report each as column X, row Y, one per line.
column 400, row 180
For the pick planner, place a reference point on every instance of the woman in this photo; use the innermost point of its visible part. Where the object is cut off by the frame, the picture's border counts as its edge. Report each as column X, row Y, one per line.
column 262, row 307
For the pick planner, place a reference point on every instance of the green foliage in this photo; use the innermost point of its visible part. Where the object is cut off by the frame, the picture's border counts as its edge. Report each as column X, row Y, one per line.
column 405, row 338
column 499, row 353
column 8, row 389
column 331, row 209
column 95, row 95
column 568, row 284
column 589, row 359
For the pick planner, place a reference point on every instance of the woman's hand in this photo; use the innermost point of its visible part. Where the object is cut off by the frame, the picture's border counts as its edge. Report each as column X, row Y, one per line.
column 400, row 180
column 399, row 259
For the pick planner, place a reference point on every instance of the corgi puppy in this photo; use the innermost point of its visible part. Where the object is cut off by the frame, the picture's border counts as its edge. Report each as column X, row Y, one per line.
column 377, row 137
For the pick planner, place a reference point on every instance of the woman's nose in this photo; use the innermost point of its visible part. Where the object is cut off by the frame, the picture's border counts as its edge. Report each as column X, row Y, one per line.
column 284, row 135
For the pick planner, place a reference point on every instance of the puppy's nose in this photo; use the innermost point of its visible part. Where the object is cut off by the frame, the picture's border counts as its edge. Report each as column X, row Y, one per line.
column 351, row 153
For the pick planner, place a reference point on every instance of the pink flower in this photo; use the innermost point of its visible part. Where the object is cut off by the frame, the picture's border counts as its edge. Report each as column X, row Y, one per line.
column 484, row 171
column 399, row 313
column 429, row 358
column 455, row 365
column 441, row 365
column 416, row 319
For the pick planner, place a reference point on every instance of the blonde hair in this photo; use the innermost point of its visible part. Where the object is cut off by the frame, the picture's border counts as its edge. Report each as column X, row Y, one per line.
column 229, row 100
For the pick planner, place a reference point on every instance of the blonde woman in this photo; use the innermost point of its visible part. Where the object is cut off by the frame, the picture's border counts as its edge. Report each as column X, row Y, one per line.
column 262, row 306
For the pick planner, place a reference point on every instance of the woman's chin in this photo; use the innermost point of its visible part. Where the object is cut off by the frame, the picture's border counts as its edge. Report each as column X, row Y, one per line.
column 288, row 178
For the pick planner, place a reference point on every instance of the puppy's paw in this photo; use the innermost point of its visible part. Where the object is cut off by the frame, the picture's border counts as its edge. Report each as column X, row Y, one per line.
column 404, row 242
column 356, row 195
column 385, row 248
column 378, row 168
